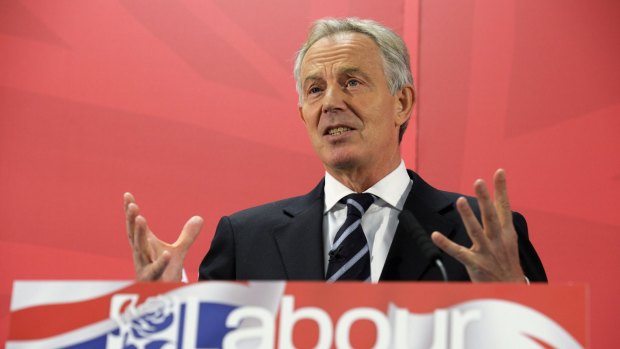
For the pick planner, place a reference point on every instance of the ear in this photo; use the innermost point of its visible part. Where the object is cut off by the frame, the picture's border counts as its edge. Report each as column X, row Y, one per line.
column 405, row 99
column 301, row 114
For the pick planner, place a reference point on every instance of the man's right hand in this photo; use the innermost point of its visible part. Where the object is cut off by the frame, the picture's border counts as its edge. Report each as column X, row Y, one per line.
column 156, row 260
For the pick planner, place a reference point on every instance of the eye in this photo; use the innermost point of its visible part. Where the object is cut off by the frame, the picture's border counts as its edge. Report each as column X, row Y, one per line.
column 314, row 90
column 353, row 83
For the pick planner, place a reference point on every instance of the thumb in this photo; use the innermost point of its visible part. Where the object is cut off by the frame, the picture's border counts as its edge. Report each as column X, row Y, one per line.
column 189, row 233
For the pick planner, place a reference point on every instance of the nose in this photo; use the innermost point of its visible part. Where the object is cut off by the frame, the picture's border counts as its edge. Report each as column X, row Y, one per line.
column 334, row 100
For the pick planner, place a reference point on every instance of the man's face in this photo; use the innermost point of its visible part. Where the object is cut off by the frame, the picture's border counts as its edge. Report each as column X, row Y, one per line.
column 349, row 113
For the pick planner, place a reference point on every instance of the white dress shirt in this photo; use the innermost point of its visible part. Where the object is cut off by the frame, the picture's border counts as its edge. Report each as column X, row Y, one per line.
column 380, row 220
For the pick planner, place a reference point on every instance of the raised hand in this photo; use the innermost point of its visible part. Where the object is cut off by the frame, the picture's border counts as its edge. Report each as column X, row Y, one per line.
column 494, row 254
column 156, row 260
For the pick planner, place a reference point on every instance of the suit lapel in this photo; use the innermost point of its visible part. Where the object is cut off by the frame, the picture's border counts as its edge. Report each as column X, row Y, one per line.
column 300, row 240
column 405, row 260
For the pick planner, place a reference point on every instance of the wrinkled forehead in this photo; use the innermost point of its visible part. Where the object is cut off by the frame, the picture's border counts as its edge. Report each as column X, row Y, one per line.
column 347, row 49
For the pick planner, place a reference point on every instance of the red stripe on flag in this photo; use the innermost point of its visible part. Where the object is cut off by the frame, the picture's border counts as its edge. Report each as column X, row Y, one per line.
column 51, row 320
column 540, row 342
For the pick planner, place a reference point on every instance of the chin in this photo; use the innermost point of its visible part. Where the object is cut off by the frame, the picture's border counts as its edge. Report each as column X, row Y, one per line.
column 342, row 161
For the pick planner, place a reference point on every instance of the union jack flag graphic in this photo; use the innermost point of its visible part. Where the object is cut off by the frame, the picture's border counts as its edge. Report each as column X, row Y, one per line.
column 102, row 315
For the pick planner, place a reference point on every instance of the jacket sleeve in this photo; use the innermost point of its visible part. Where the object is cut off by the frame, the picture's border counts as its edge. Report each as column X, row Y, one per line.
column 530, row 262
column 219, row 262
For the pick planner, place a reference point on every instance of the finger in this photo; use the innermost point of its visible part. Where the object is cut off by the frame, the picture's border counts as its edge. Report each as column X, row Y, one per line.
column 140, row 242
column 472, row 225
column 189, row 233
column 490, row 220
column 127, row 199
column 155, row 246
column 456, row 251
column 157, row 268
column 502, row 203
column 131, row 211
column 130, row 220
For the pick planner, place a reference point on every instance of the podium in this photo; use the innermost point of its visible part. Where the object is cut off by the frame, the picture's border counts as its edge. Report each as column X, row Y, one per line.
column 279, row 314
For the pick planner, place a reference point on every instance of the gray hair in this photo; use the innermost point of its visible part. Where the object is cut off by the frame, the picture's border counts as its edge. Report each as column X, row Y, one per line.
column 393, row 50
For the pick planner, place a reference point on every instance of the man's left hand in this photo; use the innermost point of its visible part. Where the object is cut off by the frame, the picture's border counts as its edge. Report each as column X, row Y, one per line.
column 494, row 254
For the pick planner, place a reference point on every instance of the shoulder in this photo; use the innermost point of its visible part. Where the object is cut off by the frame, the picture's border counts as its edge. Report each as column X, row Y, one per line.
column 273, row 212
column 448, row 202
column 442, row 201
column 453, row 196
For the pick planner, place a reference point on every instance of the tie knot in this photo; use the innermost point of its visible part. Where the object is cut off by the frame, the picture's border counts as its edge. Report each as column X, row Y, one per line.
column 358, row 203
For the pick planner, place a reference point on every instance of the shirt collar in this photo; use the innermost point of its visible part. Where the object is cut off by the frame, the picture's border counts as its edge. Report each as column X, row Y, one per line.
column 389, row 189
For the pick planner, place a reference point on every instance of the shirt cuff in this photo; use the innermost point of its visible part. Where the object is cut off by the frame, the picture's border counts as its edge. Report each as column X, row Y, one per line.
column 185, row 280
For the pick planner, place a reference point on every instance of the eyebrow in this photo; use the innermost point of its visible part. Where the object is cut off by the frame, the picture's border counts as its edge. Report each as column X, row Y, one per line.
column 342, row 71
column 311, row 77
column 353, row 71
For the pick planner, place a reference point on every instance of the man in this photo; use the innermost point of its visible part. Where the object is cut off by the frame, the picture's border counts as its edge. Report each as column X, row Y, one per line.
column 355, row 98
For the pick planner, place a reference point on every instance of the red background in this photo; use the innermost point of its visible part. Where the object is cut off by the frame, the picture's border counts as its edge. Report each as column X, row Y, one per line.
column 191, row 106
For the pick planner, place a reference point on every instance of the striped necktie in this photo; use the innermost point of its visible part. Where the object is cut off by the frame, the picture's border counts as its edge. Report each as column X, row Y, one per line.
column 349, row 258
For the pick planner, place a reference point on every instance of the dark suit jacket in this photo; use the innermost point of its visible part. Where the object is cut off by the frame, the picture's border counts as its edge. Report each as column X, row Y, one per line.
column 283, row 240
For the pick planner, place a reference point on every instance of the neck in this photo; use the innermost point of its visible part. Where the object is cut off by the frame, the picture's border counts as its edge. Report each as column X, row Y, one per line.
column 360, row 178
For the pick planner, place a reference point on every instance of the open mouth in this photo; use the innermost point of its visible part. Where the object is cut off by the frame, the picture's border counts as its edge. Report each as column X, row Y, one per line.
column 336, row 131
